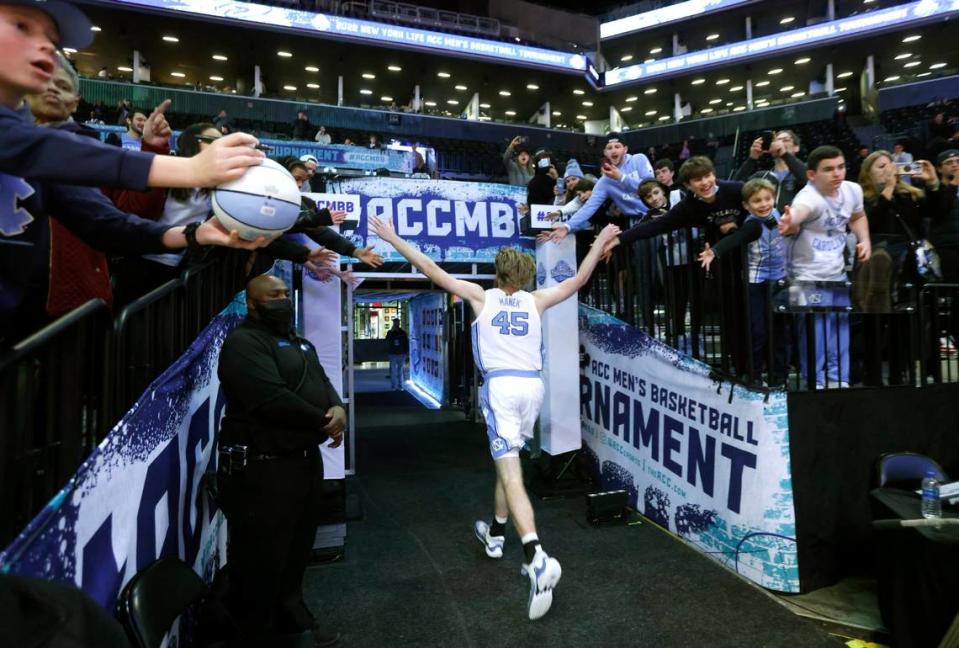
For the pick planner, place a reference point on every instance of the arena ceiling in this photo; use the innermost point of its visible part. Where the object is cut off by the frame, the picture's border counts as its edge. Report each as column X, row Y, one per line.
column 371, row 77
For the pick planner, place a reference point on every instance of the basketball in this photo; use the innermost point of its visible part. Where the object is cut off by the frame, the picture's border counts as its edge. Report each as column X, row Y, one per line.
column 265, row 201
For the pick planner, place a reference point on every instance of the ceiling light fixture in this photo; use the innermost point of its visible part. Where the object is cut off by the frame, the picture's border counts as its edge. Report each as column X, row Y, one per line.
column 649, row 91
column 511, row 113
column 171, row 39
column 735, row 88
column 123, row 68
column 787, row 88
column 367, row 75
column 912, row 64
column 776, row 71
column 762, row 84
column 313, row 86
column 649, row 60
column 386, row 99
column 923, row 74
column 178, row 75
column 505, row 93
column 94, row 28
column 706, row 111
column 578, row 92
column 532, row 86
column 650, row 113
column 664, row 118
column 698, row 81
column 460, row 87
column 803, row 60
column 311, row 68
column 739, row 108
column 786, row 20
column 722, row 81
column 580, row 116
column 712, row 37
column 283, row 54
column 909, row 39
column 69, row 50
column 936, row 66
column 588, row 104
column 844, row 75
column 443, row 75
column 220, row 57
column 394, row 68
column 894, row 77
column 631, row 99
column 216, row 78
column 453, row 102
column 364, row 91
column 557, row 113
column 626, row 57
column 797, row 94
column 842, row 89
column 713, row 102
column 291, row 88
column 484, row 105
column 904, row 55
column 625, row 109
column 656, row 50
column 431, row 104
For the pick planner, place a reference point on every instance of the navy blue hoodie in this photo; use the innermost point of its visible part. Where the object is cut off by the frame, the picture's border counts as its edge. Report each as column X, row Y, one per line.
column 45, row 172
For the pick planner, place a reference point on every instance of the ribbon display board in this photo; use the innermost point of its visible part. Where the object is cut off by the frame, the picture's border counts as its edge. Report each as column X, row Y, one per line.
column 138, row 496
column 428, row 344
column 447, row 220
column 707, row 463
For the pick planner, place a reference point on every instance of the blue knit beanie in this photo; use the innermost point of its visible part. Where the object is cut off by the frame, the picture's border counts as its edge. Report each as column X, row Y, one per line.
column 573, row 170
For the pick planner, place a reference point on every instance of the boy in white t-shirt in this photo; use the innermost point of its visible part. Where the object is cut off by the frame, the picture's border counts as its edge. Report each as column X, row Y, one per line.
column 507, row 340
column 817, row 221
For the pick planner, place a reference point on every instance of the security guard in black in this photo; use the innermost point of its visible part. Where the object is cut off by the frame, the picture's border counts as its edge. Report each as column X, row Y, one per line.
column 280, row 406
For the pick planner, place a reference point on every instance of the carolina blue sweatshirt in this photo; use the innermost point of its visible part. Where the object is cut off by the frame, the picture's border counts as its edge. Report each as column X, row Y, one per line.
column 37, row 167
column 624, row 193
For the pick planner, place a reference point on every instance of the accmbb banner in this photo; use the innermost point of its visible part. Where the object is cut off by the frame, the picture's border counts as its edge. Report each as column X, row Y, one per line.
column 138, row 497
column 428, row 345
column 706, row 460
column 447, row 220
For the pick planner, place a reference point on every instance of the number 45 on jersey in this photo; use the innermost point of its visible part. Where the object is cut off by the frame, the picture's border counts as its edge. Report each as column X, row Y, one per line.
column 512, row 322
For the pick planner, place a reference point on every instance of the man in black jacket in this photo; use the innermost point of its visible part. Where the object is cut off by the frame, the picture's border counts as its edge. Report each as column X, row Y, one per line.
column 398, row 348
column 280, row 407
column 788, row 173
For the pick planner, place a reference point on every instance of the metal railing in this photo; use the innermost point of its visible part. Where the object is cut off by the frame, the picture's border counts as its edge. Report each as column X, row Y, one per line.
column 65, row 386
column 800, row 335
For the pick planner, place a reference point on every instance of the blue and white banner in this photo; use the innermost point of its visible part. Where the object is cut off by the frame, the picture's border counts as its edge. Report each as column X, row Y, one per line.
column 365, row 31
column 428, row 344
column 138, row 497
column 708, row 461
column 446, row 220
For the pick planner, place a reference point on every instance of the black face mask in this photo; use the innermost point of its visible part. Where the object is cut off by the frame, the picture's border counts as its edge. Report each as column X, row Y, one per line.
column 276, row 315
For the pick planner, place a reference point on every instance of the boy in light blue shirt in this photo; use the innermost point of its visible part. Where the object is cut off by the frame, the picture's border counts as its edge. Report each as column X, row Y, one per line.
column 765, row 265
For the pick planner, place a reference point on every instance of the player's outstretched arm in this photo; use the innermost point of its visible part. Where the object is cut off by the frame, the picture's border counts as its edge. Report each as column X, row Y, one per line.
column 547, row 297
column 469, row 292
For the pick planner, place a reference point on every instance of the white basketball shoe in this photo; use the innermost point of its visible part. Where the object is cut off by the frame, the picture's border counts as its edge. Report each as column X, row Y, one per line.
column 544, row 573
column 492, row 544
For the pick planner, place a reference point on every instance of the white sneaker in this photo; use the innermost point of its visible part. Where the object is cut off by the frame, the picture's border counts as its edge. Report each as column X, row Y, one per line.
column 492, row 544
column 544, row 573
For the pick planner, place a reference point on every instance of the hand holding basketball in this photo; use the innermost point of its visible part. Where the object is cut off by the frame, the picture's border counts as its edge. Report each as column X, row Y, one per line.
column 212, row 232
column 226, row 159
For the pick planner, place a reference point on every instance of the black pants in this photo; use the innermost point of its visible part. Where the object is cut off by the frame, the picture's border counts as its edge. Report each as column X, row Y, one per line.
column 766, row 331
column 271, row 509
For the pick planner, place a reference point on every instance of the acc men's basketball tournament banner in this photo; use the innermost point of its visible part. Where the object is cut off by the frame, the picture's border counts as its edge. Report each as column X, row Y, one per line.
column 447, row 220
column 706, row 460
column 139, row 497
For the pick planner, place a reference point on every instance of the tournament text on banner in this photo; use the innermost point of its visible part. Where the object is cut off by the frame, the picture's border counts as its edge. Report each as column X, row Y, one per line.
column 707, row 463
column 447, row 220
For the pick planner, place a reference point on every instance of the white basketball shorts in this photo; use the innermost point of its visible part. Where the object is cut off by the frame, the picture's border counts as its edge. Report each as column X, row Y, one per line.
column 510, row 405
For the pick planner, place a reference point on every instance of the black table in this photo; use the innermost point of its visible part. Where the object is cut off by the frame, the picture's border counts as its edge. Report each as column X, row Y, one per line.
column 918, row 571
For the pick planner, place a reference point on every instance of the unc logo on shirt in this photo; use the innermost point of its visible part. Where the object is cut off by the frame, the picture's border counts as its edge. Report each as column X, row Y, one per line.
column 497, row 445
column 13, row 218
column 540, row 274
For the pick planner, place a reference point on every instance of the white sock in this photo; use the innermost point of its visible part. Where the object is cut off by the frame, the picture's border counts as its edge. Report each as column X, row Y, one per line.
column 502, row 520
column 530, row 537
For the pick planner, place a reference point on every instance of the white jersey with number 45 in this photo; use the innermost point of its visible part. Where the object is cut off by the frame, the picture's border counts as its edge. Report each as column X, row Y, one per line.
column 507, row 334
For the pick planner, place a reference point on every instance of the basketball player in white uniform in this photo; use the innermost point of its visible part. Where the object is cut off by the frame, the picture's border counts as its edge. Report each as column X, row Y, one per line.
column 507, row 347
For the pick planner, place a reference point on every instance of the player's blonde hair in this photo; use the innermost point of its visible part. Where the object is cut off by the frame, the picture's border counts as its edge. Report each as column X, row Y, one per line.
column 514, row 269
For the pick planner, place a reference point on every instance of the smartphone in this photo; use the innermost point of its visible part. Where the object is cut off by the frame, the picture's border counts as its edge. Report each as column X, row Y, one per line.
column 768, row 139
column 907, row 168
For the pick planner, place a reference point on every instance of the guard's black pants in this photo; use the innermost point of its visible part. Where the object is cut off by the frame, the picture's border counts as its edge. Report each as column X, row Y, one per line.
column 271, row 507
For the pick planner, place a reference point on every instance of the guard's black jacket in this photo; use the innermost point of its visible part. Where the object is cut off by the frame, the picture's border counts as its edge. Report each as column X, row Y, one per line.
column 276, row 391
